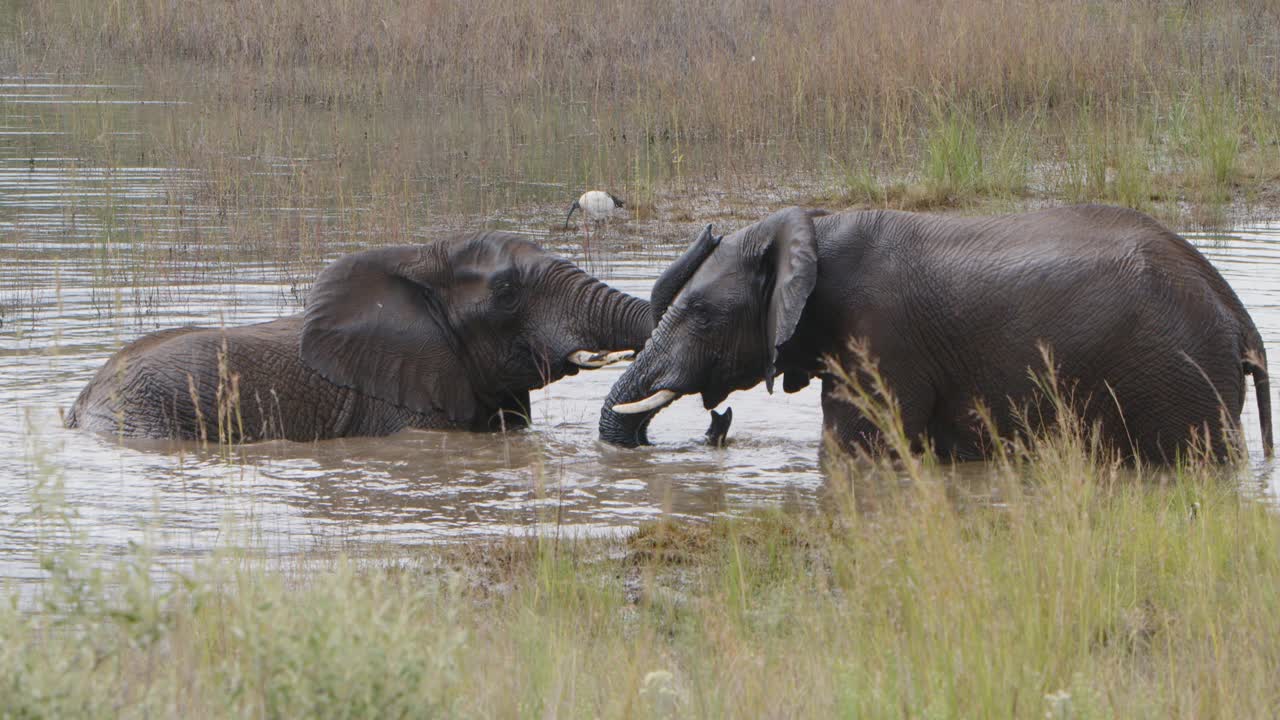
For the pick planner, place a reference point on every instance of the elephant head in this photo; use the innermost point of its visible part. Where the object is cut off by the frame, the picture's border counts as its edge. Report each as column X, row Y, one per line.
column 464, row 328
column 725, row 308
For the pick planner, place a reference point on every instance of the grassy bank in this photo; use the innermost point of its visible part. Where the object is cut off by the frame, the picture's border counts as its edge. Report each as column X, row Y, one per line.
column 390, row 116
column 1051, row 583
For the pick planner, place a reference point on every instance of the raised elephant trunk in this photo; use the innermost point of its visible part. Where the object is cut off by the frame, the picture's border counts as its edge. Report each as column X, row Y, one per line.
column 614, row 320
column 674, row 278
column 608, row 319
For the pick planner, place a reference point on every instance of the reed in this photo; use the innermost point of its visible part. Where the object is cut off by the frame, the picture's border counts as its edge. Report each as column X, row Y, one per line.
column 687, row 67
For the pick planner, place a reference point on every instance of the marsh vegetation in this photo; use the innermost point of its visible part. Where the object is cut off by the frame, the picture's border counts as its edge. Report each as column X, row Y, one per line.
column 391, row 114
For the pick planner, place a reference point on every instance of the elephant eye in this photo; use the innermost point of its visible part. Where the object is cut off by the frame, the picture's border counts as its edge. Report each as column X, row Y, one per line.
column 506, row 293
column 700, row 310
column 503, row 280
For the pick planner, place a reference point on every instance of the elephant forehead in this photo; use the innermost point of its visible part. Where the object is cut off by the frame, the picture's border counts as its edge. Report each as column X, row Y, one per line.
column 479, row 269
column 486, row 246
column 724, row 276
column 751, row 240
column 464, row 276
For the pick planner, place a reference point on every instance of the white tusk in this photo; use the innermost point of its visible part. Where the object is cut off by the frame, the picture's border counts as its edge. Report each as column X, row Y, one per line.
column 654, row 401
column 599, row 358
column 618, row 356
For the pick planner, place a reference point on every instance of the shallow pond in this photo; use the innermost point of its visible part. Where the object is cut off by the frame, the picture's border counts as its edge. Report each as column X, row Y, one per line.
column 77, row 281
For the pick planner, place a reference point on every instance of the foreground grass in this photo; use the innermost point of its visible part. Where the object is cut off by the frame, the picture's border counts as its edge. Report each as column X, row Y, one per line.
column 1066, row 587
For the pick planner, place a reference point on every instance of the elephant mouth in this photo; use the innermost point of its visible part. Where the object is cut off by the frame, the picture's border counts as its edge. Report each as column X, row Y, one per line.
column 649, row 386
column 578, row 360
column 711, row 398
column 627, row 430
column 626, row 424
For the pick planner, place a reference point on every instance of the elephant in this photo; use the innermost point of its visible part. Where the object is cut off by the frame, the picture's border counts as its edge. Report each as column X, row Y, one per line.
column 451, row 334
column 1148, row 338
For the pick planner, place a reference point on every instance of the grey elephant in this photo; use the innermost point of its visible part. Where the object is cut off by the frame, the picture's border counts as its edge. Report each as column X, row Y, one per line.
column 450, row 334
column 1144, row 333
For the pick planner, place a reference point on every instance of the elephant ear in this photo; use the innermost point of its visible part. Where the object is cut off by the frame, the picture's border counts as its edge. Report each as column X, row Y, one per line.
column 674, row 277
column 375, row 324
column 792, row 256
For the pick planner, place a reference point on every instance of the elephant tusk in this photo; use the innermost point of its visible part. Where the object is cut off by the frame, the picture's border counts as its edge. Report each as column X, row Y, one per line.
column 653, row 402
column 599, row 358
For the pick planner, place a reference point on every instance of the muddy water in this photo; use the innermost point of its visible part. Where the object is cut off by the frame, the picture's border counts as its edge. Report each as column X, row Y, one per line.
column 77, row 280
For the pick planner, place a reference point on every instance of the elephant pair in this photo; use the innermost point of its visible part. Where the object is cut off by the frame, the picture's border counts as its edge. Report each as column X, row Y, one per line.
column 455, row 333
column 1146, row 338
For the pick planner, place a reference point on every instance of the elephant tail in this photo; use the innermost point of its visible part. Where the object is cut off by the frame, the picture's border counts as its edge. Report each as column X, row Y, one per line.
column 1256, row 364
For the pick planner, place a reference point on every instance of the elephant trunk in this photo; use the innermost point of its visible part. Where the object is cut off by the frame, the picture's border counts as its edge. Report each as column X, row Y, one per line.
column 673, row 279
column 640, row 394
column 634, row 390
column 625, row 430
column 613, row 320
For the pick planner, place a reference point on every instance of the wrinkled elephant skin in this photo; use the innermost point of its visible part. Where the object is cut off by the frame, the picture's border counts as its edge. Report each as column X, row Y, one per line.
column 451, row 334
column 1147, row 339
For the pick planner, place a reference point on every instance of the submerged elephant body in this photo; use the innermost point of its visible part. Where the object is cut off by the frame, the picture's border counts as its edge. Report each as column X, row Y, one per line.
column 448, row 335
column 1145, row 336
column 251, row 385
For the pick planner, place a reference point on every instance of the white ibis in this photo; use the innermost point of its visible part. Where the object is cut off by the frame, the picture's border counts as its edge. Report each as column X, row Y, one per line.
column 597, row 206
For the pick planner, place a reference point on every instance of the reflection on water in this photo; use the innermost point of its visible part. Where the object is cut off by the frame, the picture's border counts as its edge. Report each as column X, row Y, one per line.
column 77, row 282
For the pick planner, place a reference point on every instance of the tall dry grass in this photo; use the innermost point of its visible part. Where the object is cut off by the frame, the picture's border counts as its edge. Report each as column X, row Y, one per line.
column 437, row 98
column 746, row 68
